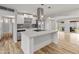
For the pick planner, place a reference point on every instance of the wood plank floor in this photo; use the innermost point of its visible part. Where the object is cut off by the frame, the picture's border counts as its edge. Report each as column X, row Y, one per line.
column 64, row 46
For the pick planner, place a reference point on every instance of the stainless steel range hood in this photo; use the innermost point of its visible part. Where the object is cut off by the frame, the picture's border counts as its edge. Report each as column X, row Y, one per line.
column 40, row 19
column 40, row 13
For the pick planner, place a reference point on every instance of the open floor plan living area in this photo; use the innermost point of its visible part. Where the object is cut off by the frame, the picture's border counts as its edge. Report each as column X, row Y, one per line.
column 39, row 28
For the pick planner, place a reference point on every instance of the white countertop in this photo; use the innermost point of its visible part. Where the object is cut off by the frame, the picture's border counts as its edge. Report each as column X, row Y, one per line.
column 31, row 33
column 21, row 28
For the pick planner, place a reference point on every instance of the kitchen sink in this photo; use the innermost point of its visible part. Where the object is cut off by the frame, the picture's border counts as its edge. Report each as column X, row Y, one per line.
column 21, row 30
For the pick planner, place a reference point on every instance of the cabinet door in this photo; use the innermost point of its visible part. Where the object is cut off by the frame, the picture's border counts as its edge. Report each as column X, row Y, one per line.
column 27, row 22
column 20, row 19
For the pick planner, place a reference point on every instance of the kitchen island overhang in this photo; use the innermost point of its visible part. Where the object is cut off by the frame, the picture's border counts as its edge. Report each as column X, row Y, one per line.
column 32, row 41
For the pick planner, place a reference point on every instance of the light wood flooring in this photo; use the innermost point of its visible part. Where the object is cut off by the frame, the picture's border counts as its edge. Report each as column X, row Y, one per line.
column 64, row 46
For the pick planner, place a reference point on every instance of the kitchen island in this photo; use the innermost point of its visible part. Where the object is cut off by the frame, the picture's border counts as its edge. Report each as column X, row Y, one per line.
column 33, row 40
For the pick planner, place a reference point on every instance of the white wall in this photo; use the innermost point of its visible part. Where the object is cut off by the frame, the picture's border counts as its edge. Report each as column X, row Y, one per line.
column 78, row 25
column 4, row 12
column 6, row 28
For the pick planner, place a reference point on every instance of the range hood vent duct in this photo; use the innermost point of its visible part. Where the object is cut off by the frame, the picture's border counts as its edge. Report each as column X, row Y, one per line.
column 40, row 13
column 40, row 18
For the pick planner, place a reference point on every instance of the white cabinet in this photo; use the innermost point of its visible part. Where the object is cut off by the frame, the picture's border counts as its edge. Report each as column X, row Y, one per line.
column 34, row 20
column 33, row 41
column 27, row 22
column 20, row 19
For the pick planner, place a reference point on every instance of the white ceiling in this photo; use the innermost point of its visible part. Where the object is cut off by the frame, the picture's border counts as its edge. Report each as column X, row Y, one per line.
column 32, row 8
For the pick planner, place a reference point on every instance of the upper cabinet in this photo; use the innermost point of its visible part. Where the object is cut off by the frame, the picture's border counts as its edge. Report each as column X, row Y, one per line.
column 20, row 19
column 27, row 22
